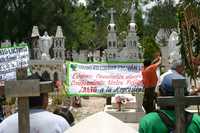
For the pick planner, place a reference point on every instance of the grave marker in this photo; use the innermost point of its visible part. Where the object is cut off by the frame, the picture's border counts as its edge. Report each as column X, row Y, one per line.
column 23, row 89
column 179, row 101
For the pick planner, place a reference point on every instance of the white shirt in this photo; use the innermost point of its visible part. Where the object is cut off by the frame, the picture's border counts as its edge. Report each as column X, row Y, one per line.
column 41, row 121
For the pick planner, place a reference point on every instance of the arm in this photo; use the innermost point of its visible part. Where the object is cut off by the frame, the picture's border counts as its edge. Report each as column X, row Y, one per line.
column 157, row 61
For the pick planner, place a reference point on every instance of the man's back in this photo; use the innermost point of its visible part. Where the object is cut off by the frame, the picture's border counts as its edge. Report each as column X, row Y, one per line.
column 41, row 121
column 152, row 123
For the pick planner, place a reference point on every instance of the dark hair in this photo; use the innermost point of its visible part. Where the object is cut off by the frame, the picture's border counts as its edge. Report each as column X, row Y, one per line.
column 36, row 101
column 147, row 62
column 66, row 114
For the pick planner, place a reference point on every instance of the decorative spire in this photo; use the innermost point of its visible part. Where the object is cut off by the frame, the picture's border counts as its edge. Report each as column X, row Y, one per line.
column 59, row 32
column 112, row 11
column 132, row 12
column 132, row 25
column 35, row 32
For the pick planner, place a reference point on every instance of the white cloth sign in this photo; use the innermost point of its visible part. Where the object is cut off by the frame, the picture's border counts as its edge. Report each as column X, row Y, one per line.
column 12, row 58
column 98, row 79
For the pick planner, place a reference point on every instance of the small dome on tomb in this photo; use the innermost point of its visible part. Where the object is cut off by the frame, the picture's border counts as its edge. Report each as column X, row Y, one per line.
column 132, row 27
column 111, row 27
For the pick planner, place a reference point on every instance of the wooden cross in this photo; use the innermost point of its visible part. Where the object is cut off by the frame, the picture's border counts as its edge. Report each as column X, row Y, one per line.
column 112, row 11
column 179, row 101
column 23, row 89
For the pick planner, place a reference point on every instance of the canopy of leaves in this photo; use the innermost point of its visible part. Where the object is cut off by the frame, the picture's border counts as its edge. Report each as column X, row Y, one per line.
column 15, row 21
column 100, row 9
column 162, row 16
column 189, row 37
column 150, row 47
column 21, row 15
column 84, row 25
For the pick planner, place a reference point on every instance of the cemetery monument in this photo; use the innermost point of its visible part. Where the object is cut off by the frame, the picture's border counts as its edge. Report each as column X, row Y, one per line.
column 50, row 67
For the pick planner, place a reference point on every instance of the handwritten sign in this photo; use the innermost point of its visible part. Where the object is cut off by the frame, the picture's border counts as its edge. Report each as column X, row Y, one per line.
column 12, row 58
column 98, row 79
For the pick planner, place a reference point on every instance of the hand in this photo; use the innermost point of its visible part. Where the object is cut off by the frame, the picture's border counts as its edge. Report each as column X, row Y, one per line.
column 196, row 60
column 195, row 91
column 157, row 59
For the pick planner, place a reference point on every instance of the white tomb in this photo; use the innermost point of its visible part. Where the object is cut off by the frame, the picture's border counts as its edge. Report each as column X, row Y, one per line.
column 131, row 112
column 131, row 48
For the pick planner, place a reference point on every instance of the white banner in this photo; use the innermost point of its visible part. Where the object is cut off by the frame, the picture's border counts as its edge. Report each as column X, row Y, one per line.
column 12, row 58
column 95, row 79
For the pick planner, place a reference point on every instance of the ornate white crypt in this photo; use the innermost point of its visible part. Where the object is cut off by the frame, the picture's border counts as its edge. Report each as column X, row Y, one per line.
column 131, row 51
column 49, row 66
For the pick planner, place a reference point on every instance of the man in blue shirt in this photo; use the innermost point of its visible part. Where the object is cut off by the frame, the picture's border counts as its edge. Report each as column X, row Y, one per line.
column 152, row 122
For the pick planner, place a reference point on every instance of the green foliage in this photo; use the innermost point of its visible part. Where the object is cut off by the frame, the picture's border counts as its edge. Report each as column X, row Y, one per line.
column 184, row 3
column 21, row 15
column 84, row 27
column 99, row 9
column 149, row 47
column 161, row 16
column 139, row 22
column 15, row 19
column 189, row 39
column 75, row 20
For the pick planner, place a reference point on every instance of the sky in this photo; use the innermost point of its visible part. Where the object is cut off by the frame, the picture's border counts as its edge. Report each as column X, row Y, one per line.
column 82, row 1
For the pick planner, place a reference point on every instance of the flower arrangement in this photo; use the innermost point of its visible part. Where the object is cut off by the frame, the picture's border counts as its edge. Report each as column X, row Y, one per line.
column 120, row 100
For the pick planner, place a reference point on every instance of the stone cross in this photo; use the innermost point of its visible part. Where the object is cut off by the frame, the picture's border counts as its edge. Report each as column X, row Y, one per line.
column 23, row 89
column 179, row 101
column 112, row 11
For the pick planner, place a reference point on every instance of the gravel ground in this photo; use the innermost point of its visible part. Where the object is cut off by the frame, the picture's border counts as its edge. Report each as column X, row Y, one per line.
column 89, row 107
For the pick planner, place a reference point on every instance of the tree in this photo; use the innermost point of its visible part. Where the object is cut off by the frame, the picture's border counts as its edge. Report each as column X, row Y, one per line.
column 139, row 20
column 21, row 15
column 161, row 16
column 83, row 27
column 149, row 47
column 47, row 14
column 99, row 9
column 188, row 16
column 16, row 21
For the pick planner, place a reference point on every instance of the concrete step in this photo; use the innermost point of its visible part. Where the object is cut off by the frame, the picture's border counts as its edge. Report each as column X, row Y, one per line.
column 126, row 115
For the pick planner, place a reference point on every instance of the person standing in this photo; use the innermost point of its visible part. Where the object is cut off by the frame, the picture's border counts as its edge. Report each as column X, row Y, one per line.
column 149, row 123
column 2, row 100
column 150, row 81
column 41, row 120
